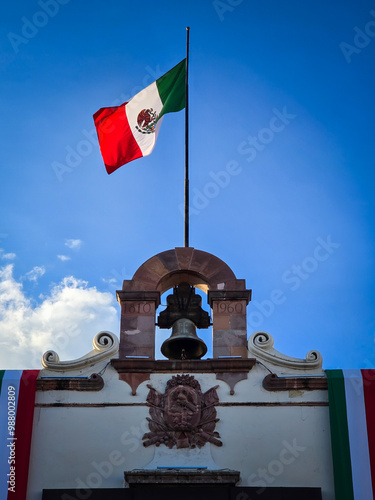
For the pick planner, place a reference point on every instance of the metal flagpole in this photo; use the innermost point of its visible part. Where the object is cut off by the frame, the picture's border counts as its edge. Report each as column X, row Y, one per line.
column 186, row 218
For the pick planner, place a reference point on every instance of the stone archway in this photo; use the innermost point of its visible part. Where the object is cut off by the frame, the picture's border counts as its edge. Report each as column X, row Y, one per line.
column 140, row 297
column 167, row 269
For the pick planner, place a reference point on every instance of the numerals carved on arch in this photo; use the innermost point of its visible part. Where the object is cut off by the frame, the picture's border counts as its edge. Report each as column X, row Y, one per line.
column 139, row 307
column 228, row 307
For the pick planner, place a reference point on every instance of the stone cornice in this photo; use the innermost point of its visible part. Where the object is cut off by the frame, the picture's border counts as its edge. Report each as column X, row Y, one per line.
column 136, row 371
column 92, row 383
column 145, row 295
column 177, row 477
column 184, row 365
column 228, row 295
column 272, row 382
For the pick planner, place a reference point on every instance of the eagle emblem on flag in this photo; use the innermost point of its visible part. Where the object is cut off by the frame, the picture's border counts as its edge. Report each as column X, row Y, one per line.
column 146, row 120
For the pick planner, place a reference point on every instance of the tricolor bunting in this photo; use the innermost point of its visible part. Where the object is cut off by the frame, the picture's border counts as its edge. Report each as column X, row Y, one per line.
column 129, row 131
column 351, row 395
column 17, row 399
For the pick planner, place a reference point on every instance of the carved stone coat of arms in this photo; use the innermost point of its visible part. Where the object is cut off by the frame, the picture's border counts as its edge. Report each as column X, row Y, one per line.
column 183, row 416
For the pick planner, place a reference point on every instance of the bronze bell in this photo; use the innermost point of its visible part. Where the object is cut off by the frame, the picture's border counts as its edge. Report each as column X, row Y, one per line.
column 184, row 342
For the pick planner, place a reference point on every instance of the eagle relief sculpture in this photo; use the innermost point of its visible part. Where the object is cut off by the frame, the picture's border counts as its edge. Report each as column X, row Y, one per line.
column 182, row 416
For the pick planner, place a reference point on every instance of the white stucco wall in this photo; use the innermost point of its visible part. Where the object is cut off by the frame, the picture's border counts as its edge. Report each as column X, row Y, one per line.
column 272, row 438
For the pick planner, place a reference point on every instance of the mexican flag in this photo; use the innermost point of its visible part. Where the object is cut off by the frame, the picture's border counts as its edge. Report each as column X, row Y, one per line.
column 351, row 395
column 17, row 398
column 129, row 131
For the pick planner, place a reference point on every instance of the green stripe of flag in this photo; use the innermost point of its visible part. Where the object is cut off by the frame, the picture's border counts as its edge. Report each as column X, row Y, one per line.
column 171, row 88
column 1, row 378
column 339, row 436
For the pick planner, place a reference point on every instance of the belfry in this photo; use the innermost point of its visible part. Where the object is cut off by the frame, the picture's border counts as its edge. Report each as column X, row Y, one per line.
column 126, row 423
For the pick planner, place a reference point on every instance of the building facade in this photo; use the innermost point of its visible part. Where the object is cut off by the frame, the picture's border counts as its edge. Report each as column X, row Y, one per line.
column 249, row 422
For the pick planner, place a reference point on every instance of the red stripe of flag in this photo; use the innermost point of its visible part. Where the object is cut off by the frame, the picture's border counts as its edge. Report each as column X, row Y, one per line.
column 369, row 394
column 23, row 431
column 116, row 140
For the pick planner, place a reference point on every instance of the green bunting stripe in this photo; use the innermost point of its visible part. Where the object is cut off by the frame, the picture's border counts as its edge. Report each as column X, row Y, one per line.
column 339, row 436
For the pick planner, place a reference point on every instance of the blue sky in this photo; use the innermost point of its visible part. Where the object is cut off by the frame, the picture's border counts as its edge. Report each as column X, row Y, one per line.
column 281, row 158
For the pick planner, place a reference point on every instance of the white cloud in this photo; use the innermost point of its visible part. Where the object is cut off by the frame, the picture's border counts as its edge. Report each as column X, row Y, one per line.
column 110, row 281
column 7, row 256
column 35, row 273
column 63, row 257
column 65, row 321
column 73, row 244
